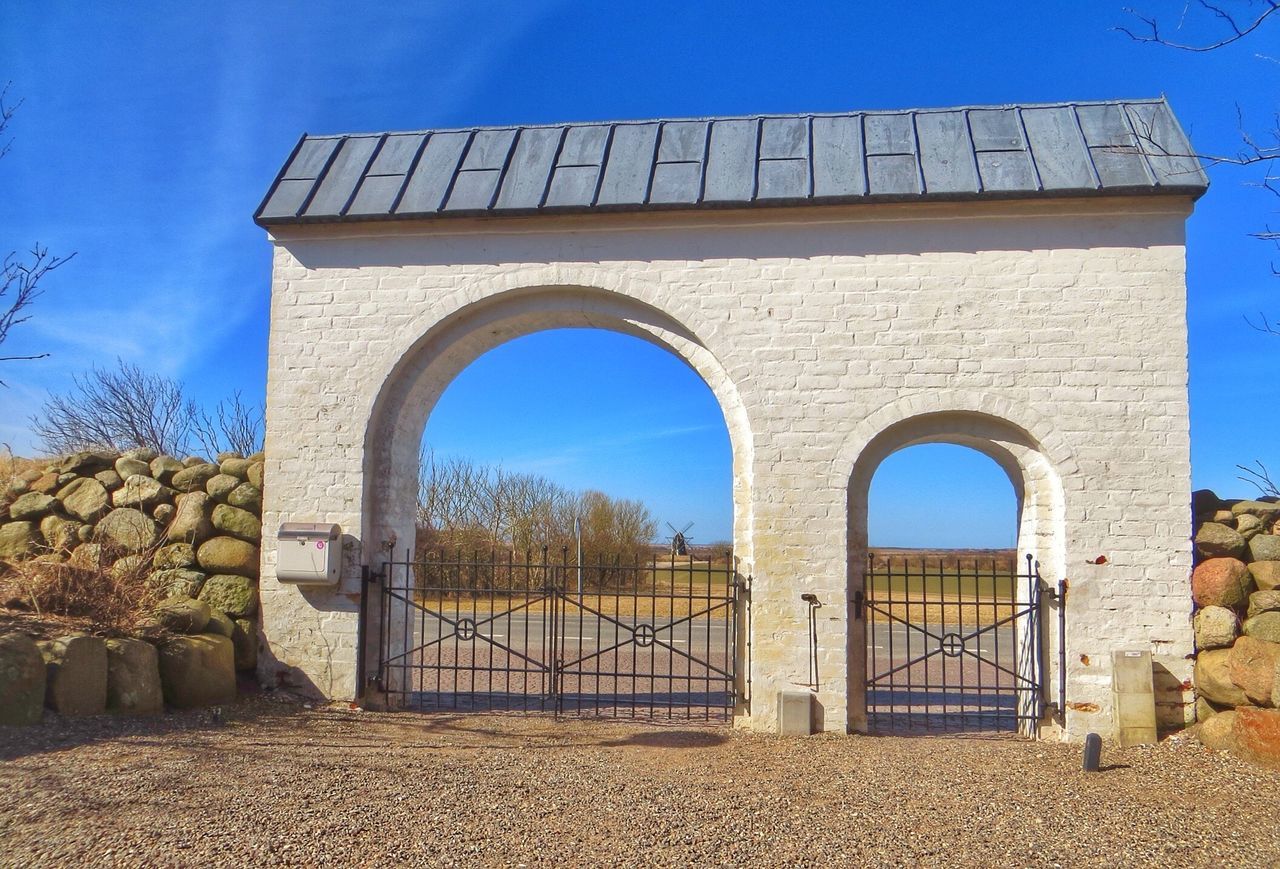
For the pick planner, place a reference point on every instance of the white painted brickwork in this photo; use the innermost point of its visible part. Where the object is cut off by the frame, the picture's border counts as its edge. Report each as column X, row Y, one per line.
column 1052, row 335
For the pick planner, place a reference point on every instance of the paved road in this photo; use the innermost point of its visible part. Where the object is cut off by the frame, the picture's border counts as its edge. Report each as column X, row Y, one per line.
column 585, row 631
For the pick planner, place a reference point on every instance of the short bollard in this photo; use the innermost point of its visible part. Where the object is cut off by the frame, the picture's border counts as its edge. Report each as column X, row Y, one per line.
column 1092, row 752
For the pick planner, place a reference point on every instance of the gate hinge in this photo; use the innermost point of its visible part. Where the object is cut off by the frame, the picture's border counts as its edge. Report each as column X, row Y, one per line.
column 858, row 605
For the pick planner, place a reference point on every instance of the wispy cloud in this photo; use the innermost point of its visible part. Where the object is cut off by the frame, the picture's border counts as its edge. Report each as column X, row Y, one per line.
column 590, row 449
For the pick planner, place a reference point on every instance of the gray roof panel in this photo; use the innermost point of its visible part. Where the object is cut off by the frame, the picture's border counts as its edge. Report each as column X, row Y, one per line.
column 731, row 162
column 1052, row 150
column 628, row 165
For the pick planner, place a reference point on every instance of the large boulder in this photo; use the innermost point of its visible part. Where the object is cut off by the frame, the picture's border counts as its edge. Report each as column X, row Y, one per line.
column 1265, row 510
column 182, row 615
column 127, row 566
column 32, row 506
column 198, row 671
column 164, row 467
column 1215, row 540
column 236, row 467
column 1215, row 627
column 18, row 540
column 87, row 556
column 133, row 677
column 255, row 474
column 220, row 486
column 237, row 596
column 77, row 675
column 1248, row 525
column 1266, row 574
column 228, row 555
column 245, row 640
column 1253, row 668
column 190, row 522
column 248, row 497
column 1264, row 547
column 1213, row 679
column 237, row 523
column 1262, row 602
column 109, row 479
column 1222, row 582
column 85, row 499
column 22, row 680
column 47, row 483
column 1256, row 733
column 175, row 556
column 1204, row 501
column 220, row 623
column 1216, row 732
column 1263, row 626
column 177, row 582
column 142, row 491
column 86, row 463
column 142, row 454
column 62, row 535
column 194, row 478
column 129, row 529
column 128, row 467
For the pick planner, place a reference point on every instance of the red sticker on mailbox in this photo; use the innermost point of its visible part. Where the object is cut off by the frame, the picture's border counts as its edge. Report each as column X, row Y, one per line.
column 319, row 544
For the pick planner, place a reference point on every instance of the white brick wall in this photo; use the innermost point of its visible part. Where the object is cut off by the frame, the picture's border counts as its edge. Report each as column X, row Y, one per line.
column 1050, row 335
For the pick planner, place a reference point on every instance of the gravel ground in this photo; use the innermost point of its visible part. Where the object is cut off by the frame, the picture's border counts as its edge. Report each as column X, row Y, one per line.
column 270, row 783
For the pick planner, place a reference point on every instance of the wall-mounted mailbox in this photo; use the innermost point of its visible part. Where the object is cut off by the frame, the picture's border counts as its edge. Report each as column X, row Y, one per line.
column 310, row 553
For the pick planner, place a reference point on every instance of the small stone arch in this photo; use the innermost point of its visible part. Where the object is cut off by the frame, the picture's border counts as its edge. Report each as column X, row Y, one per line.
column 1036, row 462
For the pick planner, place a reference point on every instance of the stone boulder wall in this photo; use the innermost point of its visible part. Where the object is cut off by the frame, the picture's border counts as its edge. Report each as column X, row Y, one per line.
column 22, row 680
column 1235, row 586
column 191, row 525
column 76, row 670
column 198, row 670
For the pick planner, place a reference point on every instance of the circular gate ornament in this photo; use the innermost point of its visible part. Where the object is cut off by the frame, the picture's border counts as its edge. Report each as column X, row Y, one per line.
column 644, row 635
column 466, row 629
column 952, row 645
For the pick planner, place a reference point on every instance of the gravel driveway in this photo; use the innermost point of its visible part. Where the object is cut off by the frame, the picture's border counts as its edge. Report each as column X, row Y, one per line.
column 277, row 784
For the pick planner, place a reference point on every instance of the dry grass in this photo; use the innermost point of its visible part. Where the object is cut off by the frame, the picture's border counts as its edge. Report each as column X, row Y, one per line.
column 13, row 466
column 108, row 593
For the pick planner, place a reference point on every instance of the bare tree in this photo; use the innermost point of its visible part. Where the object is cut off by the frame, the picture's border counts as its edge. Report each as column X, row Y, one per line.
column 20, row 278
column 118, row 408
column 238, row 427
column 466, row 505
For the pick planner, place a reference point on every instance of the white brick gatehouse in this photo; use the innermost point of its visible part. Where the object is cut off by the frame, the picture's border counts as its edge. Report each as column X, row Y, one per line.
column 1006, row 278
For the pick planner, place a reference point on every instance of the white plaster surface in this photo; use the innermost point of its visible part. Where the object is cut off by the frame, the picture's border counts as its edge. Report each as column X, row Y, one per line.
column 1051, row 335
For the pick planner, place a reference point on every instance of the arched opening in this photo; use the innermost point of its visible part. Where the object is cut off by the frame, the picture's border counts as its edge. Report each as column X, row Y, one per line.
column 537, row 590
column 950, row 639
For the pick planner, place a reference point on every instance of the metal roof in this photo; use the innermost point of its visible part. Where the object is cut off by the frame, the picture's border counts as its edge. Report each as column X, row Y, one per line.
column 975, row 152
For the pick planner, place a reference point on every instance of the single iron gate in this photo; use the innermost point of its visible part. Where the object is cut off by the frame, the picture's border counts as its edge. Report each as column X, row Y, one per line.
column 954, row 644
column 505, row 633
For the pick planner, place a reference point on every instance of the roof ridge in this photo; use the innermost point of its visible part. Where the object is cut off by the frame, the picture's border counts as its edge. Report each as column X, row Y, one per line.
column 693, row 119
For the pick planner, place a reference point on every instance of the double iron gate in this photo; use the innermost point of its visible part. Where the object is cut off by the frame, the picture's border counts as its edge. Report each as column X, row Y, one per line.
column 497, row 632
column 953, row 644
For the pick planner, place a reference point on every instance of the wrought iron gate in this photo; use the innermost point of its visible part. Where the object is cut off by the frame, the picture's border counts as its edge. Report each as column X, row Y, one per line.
column 953, row 644
column 501, row 633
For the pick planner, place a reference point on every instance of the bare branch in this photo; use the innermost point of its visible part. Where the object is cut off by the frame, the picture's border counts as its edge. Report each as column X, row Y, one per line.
column 20, row 287
column 1238, row 29
column 1260, row 478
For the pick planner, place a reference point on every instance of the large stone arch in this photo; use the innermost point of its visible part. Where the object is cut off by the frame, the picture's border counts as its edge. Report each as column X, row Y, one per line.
column 426, row 366
column 1036, row 461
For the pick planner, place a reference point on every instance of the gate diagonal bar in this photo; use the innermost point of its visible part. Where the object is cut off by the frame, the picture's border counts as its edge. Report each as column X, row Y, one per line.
column 954, row 643
column 528, row 633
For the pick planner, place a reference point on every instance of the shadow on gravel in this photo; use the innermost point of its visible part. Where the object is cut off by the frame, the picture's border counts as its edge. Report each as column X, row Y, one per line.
column 57, row 733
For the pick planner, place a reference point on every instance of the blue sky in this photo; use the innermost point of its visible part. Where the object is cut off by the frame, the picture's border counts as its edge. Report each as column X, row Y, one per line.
column 150, row 132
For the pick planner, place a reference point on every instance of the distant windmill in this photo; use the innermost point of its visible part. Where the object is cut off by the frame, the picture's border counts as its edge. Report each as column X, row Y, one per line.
column 680, row 539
